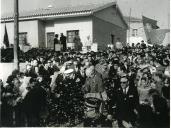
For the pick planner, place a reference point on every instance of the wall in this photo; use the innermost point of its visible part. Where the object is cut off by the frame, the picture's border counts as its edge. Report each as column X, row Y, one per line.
column 31, row 27
column 102, row 31
column 83, row 24
column 41, row 34
column 141, row 34
column 7, row 68
column 111, row 15
column 49, row 26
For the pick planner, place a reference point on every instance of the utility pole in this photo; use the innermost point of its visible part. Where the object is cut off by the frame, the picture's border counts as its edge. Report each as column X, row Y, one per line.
column 129, row 26
column 16, row 37
column 169, row 29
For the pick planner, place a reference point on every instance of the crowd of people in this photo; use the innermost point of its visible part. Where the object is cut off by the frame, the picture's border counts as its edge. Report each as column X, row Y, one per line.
column 130, row 86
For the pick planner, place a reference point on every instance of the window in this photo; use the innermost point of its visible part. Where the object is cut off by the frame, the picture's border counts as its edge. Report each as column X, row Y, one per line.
column 71, row 35
column 23, row 38
column 134, row 32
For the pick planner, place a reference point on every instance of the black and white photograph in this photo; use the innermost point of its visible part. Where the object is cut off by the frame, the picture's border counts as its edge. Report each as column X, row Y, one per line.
column 85, row 63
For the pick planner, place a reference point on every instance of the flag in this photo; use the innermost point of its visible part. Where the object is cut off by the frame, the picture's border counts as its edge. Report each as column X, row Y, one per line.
column 149, row 23
column 6, row 41
column 156, row 36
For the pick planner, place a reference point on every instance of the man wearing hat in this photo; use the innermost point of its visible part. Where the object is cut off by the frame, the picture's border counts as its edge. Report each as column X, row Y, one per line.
column 69, row 95
column 92, row 114
column 93, row 86
column 64, row 95
column 93, row 118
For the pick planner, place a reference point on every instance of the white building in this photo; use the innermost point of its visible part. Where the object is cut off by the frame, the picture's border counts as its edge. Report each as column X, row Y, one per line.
column 136, row 32
column 101, row 23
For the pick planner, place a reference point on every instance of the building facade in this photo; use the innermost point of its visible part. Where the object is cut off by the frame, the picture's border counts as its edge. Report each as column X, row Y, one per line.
column 97, row 23
column 135, row 33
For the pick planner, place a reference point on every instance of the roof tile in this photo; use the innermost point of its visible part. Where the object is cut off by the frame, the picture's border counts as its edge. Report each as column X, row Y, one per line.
column 56, row 11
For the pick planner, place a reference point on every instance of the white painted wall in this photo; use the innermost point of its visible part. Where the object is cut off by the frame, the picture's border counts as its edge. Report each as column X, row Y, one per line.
column 141, row 34
column 34, row 36
column 7, row 68
column 166, row 40
column 49, row 26
column 83, row 24
column 31, row 27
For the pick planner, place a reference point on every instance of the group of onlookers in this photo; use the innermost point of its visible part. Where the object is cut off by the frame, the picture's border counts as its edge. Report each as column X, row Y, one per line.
column 129, row 85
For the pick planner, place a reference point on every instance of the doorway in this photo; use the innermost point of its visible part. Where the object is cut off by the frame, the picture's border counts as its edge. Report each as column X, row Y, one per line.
column 50, row 40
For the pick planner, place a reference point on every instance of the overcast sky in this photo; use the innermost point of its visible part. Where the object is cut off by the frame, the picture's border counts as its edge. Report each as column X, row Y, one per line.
column 156, row 9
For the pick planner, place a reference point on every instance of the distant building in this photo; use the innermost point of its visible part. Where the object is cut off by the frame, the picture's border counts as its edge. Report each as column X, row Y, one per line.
column 137, row 33
column 99, row 23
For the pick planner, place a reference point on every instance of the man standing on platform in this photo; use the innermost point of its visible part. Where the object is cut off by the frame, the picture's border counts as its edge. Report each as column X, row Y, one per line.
column 56, row 41
column 63, row 41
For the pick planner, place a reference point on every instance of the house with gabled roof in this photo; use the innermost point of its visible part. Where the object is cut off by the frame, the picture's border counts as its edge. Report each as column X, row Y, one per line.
column 101, row 23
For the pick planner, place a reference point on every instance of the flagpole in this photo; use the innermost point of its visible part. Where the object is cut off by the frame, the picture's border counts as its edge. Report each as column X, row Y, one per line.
column 129, row 26
column 4, row 22
column 16, row 39
column 1, row 49
column 169, row 29
column 116, row 6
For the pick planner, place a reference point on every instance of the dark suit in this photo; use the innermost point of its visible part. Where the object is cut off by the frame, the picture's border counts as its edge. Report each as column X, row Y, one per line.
column 56, row 41
column 161, row 115
column 112, row 72
column 63, row 42
column 34, row 103
column 46, row 75
column 126, row 103
column 31, row 73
